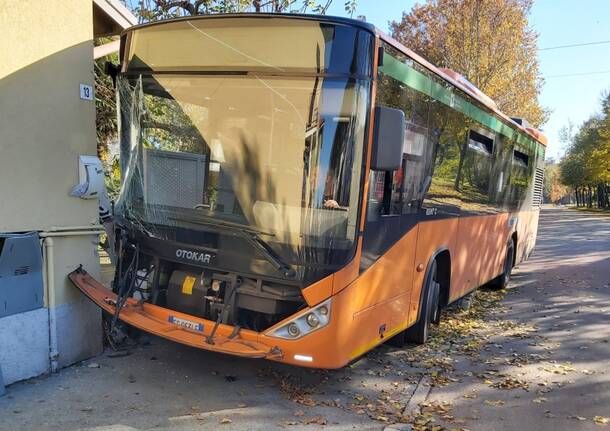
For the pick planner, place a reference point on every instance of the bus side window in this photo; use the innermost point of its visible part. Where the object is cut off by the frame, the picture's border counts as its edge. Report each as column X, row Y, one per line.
column 520, row 175
column 384, row 194
column 449, row 129
column 395, row 198
column 376, row 195
column 476, row 170
column 404, row 189
column 416, row 169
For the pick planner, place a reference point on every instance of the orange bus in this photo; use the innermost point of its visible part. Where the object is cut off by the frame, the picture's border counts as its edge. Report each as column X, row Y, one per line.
column 304, row 188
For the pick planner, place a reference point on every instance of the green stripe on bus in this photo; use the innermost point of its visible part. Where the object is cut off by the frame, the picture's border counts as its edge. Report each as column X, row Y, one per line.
column 422, row 83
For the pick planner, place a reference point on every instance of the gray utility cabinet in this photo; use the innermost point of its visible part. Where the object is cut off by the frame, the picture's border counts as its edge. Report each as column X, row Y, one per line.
column 21, row 286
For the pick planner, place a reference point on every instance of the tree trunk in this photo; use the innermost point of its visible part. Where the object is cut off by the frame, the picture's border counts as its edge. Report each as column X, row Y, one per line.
column 605, row 195
column 458, row 177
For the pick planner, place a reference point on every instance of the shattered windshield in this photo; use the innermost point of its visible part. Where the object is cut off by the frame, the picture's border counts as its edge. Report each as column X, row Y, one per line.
column 280, row 154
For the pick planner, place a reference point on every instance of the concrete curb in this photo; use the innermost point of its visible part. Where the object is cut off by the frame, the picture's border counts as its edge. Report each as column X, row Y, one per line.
column 420, row 394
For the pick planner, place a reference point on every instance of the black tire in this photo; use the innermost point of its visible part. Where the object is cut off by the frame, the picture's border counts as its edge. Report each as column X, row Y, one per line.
column 429, row 312
column 502, row 281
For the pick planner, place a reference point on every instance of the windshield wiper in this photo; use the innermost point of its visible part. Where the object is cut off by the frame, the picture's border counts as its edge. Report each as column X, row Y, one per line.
column 251, row 235
column 267, row 251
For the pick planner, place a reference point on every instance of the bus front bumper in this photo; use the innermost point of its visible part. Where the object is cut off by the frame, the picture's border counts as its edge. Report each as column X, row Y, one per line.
column 179, row 327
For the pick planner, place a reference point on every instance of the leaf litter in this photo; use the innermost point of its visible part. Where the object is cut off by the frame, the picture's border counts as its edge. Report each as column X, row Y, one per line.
column 461, row 335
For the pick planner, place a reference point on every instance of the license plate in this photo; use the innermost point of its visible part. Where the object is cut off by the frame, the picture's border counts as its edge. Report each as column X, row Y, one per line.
column 187, row 324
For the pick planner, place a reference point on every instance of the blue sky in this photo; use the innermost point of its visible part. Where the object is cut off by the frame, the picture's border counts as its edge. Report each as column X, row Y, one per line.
column 558, row 22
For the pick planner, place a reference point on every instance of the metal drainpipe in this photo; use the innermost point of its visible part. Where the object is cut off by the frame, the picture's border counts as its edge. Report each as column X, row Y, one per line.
column 75, row 228
column 50, row 271
column 50, row 278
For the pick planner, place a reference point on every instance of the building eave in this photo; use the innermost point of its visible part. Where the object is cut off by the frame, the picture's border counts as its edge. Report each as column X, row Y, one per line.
column 110, row 18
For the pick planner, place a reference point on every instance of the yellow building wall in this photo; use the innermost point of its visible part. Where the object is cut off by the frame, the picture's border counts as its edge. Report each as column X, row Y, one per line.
column 47, row 51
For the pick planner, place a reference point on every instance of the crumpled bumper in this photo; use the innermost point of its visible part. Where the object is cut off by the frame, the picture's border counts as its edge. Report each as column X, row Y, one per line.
column 172, row 325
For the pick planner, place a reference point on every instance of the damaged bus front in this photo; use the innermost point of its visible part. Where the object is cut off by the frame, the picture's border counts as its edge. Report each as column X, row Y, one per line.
column 242, row 142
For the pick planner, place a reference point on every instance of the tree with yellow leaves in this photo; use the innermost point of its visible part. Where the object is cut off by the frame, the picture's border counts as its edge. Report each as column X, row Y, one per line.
column 586, row 165
column 487, row 41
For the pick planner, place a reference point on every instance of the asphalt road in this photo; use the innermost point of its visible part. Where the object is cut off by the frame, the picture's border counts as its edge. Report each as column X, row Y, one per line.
column 562, row 293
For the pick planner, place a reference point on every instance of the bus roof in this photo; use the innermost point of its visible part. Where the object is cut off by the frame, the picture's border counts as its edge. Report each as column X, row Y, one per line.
column 447, row 75
column 451, row 77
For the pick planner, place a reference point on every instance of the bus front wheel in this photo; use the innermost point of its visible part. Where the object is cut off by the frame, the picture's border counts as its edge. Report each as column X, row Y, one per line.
column 429, row 311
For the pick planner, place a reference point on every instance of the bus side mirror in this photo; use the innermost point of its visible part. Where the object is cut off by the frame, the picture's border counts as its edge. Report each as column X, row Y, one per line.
column 388, row 139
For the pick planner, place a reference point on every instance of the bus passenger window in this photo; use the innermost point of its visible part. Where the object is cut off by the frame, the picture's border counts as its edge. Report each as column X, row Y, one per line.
column 474, row 176
column 500, row 172
column 415, row 168
column 519, row 178
column 521, row 159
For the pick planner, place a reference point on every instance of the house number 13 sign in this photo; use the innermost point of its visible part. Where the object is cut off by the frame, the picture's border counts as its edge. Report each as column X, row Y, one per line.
column 86, row 92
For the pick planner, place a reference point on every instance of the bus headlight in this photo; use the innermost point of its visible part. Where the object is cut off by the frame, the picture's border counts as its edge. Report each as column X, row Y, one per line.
column 305, row 323
column 312, row 320
column 293, row 330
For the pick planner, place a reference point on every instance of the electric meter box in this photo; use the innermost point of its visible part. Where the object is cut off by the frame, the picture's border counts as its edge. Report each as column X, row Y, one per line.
column 90, row 178
column 21, row 287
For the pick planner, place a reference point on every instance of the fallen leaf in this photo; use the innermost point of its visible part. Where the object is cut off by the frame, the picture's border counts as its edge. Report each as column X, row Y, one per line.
column 318, row 420
column 511, row 383
column 600, row 420
column 494, row 402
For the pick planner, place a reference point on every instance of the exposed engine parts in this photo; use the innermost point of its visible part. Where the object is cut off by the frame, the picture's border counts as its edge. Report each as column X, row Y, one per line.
column 223, row 297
